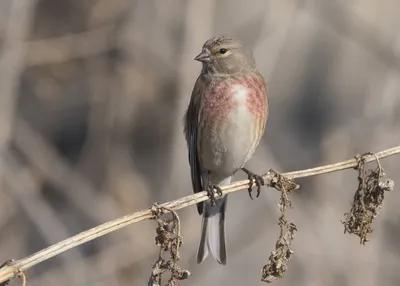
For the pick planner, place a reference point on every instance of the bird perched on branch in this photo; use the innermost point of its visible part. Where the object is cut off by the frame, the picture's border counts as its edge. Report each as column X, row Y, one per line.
column 223, row 126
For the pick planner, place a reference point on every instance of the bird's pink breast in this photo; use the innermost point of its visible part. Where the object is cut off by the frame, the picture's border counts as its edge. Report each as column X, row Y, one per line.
column 223, row 97
column 232, row 121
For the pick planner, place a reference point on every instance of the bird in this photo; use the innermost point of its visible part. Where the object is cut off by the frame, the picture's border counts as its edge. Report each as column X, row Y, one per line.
column 223, row 126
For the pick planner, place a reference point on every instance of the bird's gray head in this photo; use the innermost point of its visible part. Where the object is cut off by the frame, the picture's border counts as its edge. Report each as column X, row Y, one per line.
column 226, row 56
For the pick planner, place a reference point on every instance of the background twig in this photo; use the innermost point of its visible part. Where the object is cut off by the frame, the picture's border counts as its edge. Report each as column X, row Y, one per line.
column 10, row 271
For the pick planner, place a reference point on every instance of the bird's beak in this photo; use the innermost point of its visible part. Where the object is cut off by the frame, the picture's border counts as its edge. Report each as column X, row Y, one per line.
column 204, row 56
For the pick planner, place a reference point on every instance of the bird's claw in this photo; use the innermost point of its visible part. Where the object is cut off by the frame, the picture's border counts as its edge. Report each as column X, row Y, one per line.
column 211, row 193
column 258, row 180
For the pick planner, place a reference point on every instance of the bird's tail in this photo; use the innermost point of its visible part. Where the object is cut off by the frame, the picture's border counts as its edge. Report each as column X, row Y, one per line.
column 213, row 231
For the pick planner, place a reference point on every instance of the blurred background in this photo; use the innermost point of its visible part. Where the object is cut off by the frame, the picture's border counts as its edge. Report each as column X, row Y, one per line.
column 92, row 95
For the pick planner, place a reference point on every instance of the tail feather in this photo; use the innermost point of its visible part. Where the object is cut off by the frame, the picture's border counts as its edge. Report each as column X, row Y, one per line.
column 202, row 252
column 213, row 232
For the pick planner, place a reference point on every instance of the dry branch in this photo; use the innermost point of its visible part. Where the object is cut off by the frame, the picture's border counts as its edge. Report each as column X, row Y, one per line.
column 279, row 258
column 13, row 269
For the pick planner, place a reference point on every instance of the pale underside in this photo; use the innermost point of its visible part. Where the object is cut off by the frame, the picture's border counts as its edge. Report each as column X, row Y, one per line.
column 231, row 144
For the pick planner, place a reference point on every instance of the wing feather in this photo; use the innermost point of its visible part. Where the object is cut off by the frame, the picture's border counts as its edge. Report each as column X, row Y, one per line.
column 191, row 123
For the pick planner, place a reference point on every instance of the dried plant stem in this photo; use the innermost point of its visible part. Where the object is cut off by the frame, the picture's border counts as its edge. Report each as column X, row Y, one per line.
column 341, row 165
column 14, row 269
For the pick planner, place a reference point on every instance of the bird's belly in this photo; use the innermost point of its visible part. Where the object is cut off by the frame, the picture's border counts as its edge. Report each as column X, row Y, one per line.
column 230, row 143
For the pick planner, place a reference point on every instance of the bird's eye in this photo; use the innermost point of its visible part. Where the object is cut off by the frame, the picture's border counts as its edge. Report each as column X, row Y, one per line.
column 223, row 51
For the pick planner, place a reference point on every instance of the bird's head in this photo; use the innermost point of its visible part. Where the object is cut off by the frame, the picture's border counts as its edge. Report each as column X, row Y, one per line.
column 226, row 56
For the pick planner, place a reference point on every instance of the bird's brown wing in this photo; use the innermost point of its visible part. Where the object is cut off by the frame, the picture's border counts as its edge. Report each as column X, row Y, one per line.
column 191, row 122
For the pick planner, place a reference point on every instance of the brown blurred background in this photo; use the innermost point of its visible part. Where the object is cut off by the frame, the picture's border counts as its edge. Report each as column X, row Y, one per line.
column 92, row 95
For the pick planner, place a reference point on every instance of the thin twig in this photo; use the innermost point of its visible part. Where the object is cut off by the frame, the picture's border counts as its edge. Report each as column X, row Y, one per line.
column 23, row 277
column 10, row 271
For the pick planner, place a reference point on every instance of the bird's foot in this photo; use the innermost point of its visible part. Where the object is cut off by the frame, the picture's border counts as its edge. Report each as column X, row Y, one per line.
column 211, row 193
column 258, row 180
